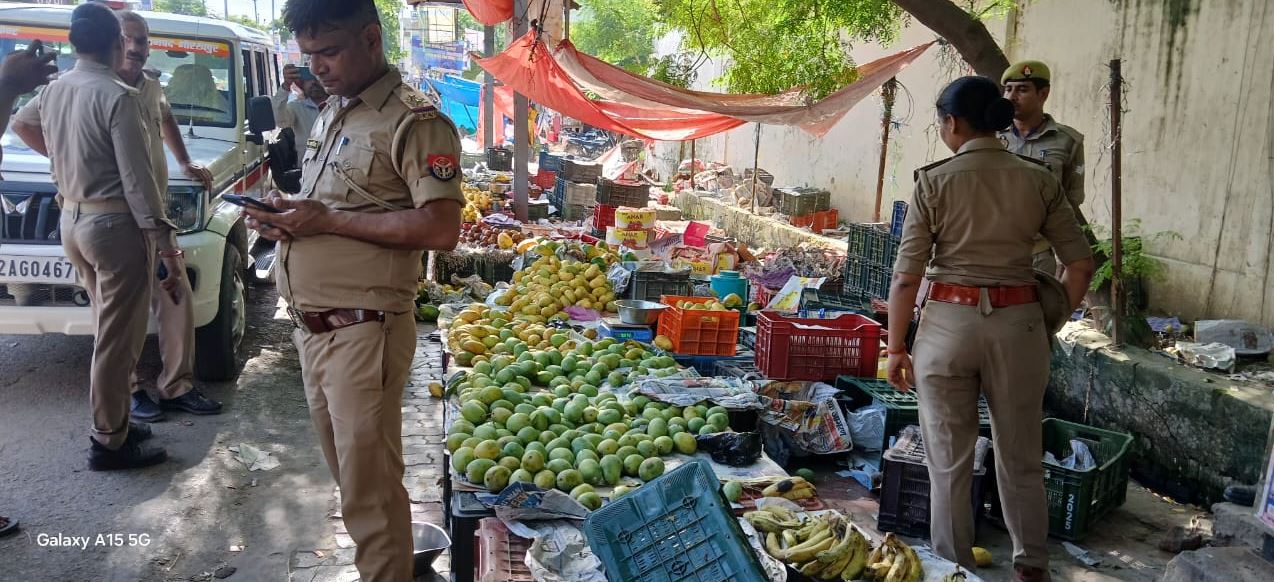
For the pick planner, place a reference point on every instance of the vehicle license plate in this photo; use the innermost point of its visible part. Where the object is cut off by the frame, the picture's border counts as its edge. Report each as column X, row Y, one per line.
column 22, row 269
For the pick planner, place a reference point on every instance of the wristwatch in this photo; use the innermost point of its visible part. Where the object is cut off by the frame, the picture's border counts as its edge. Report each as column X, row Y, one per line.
column 172, row 253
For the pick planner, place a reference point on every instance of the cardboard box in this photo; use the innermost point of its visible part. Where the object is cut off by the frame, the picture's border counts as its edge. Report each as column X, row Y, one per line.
column 633, row 239
column 635, row 218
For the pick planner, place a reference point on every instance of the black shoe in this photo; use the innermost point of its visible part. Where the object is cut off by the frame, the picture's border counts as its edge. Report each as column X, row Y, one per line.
column 193, row 402
column 139, row 431
column 144, row 409
column 133, row 455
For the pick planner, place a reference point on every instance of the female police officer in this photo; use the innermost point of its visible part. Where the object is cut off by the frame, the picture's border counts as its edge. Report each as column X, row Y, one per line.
column 970, row 230
column 113, row 220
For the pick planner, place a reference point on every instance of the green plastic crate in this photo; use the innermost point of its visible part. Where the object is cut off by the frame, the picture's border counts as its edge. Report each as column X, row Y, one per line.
column 1077, row 500
column 901, row 408
column 675, row 528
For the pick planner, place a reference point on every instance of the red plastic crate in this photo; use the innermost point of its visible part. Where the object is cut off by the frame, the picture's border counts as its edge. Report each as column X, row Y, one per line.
column 603, row 216
column 546, row 180
column 848, row 344
column 825, row 220
column 803, row 221
column 500, row 553
column 762, row 295
column 699, row 333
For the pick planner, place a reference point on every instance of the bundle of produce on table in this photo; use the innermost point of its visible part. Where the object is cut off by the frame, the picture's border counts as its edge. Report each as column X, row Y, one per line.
column 541, row 291
column 431, row 294
column 826, row 546
column 486, row 235
column 476, row 202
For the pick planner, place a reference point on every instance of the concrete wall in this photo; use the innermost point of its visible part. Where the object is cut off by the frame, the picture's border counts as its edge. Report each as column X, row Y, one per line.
column 1198, row 135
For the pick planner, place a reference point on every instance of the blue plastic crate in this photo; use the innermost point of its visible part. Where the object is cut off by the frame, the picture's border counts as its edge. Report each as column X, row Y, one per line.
column 625, row 333
column 900, row 214
column 707, row 365
column 675, row 528
column 550, row 162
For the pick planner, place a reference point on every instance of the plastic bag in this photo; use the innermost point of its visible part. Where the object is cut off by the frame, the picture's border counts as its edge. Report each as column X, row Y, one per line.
column 737, row 449
column 867, row 426
column 1080, row 459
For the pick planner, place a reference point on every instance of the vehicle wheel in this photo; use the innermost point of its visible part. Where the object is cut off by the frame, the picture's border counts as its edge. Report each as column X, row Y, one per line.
column 217, row 344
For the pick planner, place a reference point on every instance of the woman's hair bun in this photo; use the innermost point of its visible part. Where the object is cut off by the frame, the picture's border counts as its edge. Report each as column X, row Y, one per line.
column 95, row 29
column 998, row 114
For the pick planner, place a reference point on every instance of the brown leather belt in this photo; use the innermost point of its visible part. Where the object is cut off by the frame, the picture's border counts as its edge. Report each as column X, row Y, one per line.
column 999, row 296
column 332, row 319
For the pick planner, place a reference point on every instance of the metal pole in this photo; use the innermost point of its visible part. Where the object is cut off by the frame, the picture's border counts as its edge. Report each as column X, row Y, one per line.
column 521, row 149
column 566, row 19
column 225, row 7
column 756, row 167
column 1116, row 199
column 488, row 89
column 256, row 14
column 887, row 92
column 692, row 164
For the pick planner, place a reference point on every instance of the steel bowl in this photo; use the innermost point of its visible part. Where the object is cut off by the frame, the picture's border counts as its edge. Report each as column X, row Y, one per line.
column 428, row 541
column 635, row 312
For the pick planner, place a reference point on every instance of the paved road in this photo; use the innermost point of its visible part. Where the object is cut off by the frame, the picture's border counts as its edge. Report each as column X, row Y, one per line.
column 200, row 511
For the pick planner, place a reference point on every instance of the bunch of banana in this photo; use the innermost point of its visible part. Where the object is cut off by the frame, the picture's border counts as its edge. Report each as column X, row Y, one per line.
column 828, row 548
column 893, row 561
column 792, row 488
column 772, row 520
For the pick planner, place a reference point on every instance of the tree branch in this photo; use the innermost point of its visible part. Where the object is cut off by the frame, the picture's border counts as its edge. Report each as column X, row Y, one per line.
column 969, row 36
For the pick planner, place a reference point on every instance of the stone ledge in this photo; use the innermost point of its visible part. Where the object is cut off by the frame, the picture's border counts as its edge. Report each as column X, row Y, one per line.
column 1218, row 565
column 1235, row 525
column 1194, row 432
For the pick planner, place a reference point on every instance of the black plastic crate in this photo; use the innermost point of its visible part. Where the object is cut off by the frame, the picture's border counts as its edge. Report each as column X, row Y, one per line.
column 822, row 201
column 623, row 193
column 537, row 211
column 796, row 201
column 500, row 159
column 463, row 516
column 651, row 285
column 493, row 270
column 707, row 365
column 904, row 496
column 872, row 244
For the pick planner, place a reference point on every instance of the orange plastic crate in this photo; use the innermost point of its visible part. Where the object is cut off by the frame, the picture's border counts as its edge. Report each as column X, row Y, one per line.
column 699, row 333
column 500, row 553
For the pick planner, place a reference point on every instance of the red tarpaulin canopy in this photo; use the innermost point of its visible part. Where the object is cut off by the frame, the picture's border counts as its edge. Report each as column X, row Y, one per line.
column 490, row 12
column 640, row 106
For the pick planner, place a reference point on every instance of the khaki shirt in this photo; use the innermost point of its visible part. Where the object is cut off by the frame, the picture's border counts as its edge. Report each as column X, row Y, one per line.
column 974, row 217
column 154, row 109
column 1061, row 147
column 391, row 145
column 99, row 145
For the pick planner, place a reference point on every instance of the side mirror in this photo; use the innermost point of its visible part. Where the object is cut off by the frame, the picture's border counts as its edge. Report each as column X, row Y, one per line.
column 260, row 119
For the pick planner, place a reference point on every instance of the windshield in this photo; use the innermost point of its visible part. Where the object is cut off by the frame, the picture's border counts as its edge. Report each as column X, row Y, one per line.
column 197, row 75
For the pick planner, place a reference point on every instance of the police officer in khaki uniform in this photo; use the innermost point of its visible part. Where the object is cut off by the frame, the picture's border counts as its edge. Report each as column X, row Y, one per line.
column 174, row 311
column 1037, row 135
column 113, row 219
column 380, row 183
column 970, row 231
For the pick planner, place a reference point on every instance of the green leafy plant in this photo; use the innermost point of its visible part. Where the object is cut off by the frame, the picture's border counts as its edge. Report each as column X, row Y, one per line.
column 1136, row 265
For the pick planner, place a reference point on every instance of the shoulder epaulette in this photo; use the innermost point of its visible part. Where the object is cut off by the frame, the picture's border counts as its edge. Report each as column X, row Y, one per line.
column 916, row 174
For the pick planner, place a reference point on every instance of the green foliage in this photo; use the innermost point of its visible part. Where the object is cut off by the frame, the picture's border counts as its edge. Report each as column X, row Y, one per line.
column 1136, row 264
column 675, row 69
column 774, row 45
column 388, row 11
column 246, row 21
column 620, row 32
column 187, row 7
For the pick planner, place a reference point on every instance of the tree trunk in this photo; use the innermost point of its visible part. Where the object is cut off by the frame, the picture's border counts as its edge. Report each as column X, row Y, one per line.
column 969, row 37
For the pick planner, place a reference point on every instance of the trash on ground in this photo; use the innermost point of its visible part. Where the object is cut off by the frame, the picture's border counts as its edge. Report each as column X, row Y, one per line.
column 253, row 458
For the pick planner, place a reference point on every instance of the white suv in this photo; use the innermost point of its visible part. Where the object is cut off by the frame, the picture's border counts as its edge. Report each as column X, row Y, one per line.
column 210, row 70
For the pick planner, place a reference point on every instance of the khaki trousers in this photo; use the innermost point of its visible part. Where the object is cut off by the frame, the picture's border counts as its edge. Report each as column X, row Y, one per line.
column 962, row 352
column 115, row 263
column 354, row 380
column 176, row 340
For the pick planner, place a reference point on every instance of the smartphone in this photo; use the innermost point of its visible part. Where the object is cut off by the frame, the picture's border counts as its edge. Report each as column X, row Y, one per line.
column 306, row 74
column 246, row 201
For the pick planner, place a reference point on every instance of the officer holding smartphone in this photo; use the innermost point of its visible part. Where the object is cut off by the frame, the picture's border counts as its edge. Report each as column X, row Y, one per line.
column 299, row 111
